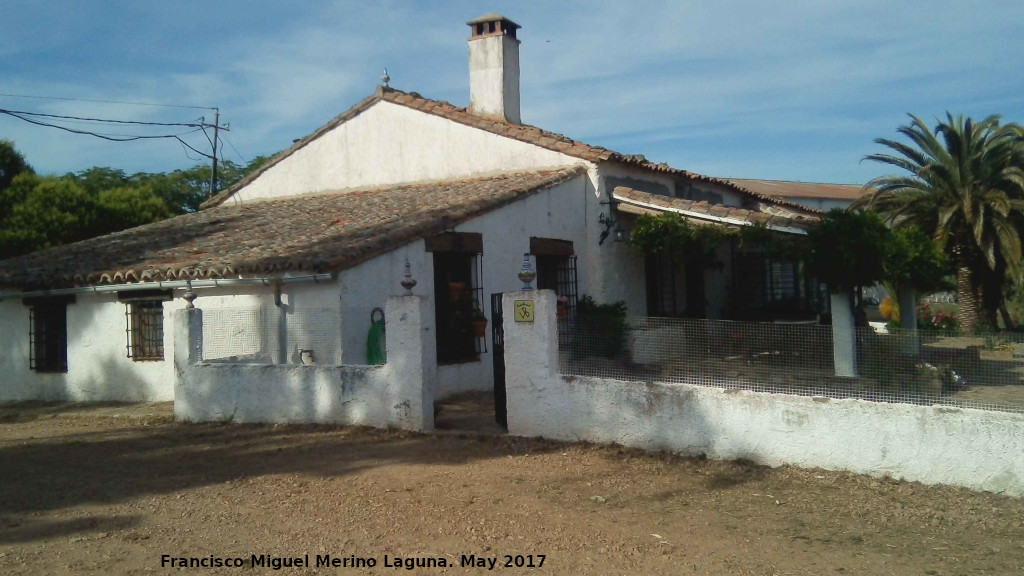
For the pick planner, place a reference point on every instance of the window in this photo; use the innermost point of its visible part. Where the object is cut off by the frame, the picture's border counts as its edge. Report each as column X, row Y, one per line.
column 676, row 286
column 48, row 334
column 774, row 289
column 144, row 316
column 661, row 285
column 458, row 292
column 145, row 330
column 556, row 270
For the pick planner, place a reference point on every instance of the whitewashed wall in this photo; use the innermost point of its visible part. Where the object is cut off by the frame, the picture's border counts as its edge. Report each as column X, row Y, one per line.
column 400, row 393
column 976, row 449
column 368, row 285
column 389, row 144
column 98, row 366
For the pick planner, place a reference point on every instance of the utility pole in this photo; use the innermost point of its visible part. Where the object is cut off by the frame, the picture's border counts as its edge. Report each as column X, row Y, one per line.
column 213, row 176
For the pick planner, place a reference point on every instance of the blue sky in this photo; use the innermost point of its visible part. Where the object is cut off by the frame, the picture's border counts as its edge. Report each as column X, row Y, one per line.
column 791, row 91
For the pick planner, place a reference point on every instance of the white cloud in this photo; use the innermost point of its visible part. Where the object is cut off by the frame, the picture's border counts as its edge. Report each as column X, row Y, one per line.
column 702, row 85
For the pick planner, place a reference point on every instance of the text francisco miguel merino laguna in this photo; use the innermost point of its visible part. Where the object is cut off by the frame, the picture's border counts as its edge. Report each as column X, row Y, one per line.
column 352, row 561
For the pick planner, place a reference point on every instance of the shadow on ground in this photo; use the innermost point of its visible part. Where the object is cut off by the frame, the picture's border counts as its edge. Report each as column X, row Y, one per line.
column 139, row 458
column 30, row 411
column 469, row 412
column 28, row 530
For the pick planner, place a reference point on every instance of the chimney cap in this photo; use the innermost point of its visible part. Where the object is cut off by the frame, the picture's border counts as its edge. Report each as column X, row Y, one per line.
column 492, row 18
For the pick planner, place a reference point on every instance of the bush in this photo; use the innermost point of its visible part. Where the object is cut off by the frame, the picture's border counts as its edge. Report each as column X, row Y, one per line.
column 603, row 326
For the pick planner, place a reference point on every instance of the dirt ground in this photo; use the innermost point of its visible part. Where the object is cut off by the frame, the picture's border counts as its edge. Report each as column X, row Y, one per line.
column 111, row 489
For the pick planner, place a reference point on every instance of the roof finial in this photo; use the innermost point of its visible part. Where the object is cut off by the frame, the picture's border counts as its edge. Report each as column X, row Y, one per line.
column 385, row 78
column 407, row 281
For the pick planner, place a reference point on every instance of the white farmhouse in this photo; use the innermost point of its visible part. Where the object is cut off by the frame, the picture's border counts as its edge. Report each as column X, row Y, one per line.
column 322, row 233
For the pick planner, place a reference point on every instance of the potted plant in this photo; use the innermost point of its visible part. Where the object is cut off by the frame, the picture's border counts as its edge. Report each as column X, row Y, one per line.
column 562, row 307
column 456, row 290
column 479, row 323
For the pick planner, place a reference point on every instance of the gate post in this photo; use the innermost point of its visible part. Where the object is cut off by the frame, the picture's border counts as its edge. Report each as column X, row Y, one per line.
column 188, row 351
column 412, row 361
column 531, row 354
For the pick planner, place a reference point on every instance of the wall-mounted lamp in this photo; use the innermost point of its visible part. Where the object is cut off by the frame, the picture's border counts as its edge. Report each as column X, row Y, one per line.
column 610, row 222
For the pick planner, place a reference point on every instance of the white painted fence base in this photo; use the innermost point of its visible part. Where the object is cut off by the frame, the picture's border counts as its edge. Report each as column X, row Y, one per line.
column 399, row 393
column 976, row 449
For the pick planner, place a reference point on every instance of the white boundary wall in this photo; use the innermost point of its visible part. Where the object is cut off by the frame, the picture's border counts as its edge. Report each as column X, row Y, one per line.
column 399, row 393
column 976, row 449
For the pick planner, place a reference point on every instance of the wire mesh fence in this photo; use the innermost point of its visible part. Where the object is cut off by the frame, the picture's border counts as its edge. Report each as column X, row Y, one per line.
column 916, row 367
column 272, row 336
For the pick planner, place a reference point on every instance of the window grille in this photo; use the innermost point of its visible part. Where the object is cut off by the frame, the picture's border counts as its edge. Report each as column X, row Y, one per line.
column 479, row 343
column 661, row 276
column 145, row 329
column 558, row 273
column 48, row 336
column 774, row 287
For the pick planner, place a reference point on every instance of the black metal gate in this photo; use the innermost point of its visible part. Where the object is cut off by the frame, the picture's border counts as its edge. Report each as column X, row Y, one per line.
column 498, row 355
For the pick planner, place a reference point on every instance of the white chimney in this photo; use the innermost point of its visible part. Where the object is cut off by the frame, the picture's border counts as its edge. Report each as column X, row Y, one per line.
column 494, row 68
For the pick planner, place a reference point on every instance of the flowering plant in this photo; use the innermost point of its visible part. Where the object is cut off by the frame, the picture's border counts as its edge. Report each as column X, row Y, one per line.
column 927, row 320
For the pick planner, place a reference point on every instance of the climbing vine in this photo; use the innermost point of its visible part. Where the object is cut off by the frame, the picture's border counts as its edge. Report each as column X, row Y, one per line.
column 672, row 235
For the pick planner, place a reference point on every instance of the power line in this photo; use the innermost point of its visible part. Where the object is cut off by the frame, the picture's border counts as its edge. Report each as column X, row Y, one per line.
column 186, row 144
column 102, row 120
column 112, row 138
column 33, row 118
column 242, row 158
column 107, row 101
column 187, row 155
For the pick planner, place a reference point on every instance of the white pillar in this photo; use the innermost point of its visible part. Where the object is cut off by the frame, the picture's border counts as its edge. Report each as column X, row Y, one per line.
column 844, row 335
column 412, row 361
column 188, row 351
column 908, row 320
column 531, row 355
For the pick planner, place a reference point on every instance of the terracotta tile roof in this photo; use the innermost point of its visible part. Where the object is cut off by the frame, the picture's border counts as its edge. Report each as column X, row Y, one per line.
column 324, row 232
column 521, row 132
column 784, row 189
column 773, row 217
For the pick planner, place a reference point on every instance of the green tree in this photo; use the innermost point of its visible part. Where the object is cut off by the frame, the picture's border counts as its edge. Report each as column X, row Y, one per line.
column 16, row 193
column 54, row 212
column 962, row 183
column 97, row 179
column 848, row 249
column 12, row 163
column 913, row 260
column 129, row 207
column 40, row 212
column 185, row 190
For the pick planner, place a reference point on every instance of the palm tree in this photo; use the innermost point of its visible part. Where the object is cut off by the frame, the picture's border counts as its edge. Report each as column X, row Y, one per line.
column 964, row 183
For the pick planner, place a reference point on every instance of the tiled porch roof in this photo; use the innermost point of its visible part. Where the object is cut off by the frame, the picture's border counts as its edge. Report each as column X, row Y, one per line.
column 785, row 189
column 324, row 232
column 776, row 218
